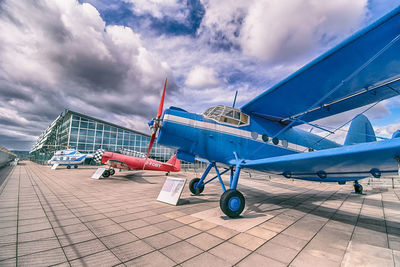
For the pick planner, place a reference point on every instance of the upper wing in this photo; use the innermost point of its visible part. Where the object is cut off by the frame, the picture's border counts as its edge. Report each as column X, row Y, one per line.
column 355, row 160
column 363, row 69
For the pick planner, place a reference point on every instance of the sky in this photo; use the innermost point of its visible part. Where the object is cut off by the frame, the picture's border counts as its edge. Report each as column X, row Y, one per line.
column 109, row 58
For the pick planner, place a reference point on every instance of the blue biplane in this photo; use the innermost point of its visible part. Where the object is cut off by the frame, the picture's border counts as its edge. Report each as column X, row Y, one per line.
column 262, row 136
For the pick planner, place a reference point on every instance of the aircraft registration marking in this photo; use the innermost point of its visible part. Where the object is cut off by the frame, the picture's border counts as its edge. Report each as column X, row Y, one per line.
column 154, row 164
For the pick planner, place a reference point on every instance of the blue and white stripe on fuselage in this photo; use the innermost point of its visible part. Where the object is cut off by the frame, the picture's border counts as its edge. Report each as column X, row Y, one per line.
column 206, row 138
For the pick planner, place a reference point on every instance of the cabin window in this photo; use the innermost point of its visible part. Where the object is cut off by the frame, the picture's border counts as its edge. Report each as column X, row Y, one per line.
column 285, row 143
column 227, row 115
column 275, row 140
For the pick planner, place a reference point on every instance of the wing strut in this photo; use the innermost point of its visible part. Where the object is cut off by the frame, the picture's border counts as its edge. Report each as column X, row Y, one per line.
column 334, row 131
column 352, row 75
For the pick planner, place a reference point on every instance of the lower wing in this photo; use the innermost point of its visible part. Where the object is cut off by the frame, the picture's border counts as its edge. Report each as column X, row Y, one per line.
column 351, row 162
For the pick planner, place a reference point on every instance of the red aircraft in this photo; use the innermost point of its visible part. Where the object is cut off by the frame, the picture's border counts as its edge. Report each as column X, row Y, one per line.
column 126, row 162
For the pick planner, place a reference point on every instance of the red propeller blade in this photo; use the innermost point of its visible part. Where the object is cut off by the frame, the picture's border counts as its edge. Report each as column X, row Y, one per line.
column 153, row 137
column 156, row 124
column 160, row 107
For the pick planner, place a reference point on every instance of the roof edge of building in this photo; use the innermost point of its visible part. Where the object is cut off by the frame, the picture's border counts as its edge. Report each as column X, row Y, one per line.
column 103, row 121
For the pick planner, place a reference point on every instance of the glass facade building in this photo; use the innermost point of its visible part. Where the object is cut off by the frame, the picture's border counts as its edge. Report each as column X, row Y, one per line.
column 87, row 134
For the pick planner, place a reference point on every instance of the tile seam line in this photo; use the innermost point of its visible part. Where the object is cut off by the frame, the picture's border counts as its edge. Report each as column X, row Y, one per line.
column 49, row 188
column 16, row 238
column 31, row 180
column 155, row 249
column 293, row 224
column 319, row 230
column 257, row 225
column 354, row 228
column 121, row 261
column 387, row 233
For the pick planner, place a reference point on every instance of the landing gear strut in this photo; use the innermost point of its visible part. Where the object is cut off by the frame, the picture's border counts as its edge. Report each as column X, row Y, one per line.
column 232, row 202
column 358, row 187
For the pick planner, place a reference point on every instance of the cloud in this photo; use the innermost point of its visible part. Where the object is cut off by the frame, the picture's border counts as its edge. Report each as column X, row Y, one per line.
column 66, row 54
column 277, row 30
column 340, row 123
column 160, row 8
column 61, row 54
column 387, row 130
column 202, row 77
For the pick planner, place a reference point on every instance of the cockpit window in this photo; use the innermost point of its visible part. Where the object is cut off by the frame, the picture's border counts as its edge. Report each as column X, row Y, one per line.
column 227, row 115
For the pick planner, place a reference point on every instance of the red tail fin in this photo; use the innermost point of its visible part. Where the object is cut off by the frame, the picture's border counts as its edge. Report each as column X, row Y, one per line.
column 175, row 162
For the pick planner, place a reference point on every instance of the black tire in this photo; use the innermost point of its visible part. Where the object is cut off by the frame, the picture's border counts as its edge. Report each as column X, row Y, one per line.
column 358, row 188
column 75, row 166
column 112, row 172
column 232, row 203
column 193, row 189
column 68, row 166
column 106, row 173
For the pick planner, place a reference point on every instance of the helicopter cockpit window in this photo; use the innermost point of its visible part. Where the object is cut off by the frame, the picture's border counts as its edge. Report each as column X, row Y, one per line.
column 227, row 115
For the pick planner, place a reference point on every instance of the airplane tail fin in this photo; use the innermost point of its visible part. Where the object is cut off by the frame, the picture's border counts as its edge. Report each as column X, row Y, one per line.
column 360, row 131
column 175, row 162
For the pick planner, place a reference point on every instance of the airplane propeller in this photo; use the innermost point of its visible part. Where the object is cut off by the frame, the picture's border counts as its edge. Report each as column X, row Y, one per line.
column 155, row 126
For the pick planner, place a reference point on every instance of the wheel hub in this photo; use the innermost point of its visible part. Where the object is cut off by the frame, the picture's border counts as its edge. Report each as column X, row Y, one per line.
column 234, row 204
column 197, row 186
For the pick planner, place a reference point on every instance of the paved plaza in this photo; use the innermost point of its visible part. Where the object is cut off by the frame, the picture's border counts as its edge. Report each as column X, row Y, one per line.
column 64, row 218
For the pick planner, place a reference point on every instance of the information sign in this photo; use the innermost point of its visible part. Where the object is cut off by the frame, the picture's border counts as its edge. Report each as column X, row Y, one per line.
column 98, row 173
column 171, row 190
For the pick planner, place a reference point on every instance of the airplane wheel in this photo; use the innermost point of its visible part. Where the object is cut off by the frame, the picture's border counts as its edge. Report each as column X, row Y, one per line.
column 192, row 187
column 358, row 188
column 106, row 173
column 76, row 166
column 112, row 172
column 68, row 167
column 232, row 203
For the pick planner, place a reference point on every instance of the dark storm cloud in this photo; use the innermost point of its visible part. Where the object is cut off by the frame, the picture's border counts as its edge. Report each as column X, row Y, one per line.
column 68, row 54
column 94, row 73
column 9, row 92
column 60, row 54
column 15, row 143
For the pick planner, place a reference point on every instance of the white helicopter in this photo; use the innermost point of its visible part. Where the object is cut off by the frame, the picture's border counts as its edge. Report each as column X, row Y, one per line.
column 69, row 157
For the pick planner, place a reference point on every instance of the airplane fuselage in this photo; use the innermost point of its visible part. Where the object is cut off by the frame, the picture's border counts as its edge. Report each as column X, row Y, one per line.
column 120, row 161
column 195, row 135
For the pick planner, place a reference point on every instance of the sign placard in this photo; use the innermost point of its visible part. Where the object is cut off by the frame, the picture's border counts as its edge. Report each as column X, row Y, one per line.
column 54, row 166
column 98, row 173
column 171, row 190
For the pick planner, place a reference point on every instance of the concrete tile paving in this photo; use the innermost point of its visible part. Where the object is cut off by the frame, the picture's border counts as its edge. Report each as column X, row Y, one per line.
column 63, row 218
